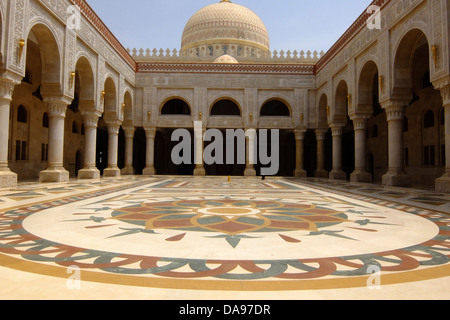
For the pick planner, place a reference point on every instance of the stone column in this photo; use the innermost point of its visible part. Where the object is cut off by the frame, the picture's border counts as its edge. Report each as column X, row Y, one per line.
column 129, row 136
column 90, row 120
column 150, row 134
column 113, row 145
column 8, row 179
column 337, row 172
column 443, row 183
column 199, row 147
column 55, row 171
column 320, row 137
column 360, row 174
column 250, row 159
column 395, row 176
column 299, row 149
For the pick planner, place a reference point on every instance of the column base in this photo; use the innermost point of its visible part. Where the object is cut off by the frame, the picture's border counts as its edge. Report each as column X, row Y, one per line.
column 199, row 172
column 443, row 183
column 338, row 175
column 322, row 174
column 149, row 171
column 395, row 179
column 300, row 173
column 250, row 172
column 88, row 174
column 361, row 176
column 54, row 175
column 8, row 179
column 111, row 172
column 128, row 171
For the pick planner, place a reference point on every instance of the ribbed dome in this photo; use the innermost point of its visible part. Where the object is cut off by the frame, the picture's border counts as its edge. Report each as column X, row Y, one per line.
column 225, row 23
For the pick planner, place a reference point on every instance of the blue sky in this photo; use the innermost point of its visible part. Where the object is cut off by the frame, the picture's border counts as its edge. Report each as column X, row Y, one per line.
column 292, row 24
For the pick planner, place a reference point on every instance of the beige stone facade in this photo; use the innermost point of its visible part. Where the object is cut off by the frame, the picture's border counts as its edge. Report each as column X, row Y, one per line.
column 374, row 108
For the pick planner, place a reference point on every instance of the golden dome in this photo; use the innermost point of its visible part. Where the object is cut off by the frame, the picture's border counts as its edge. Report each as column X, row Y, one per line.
column 226, row 59
column 225, row 23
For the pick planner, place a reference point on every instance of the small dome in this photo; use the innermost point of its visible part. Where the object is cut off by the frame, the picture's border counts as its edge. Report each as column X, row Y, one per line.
column 226, row 59
column 225, row 23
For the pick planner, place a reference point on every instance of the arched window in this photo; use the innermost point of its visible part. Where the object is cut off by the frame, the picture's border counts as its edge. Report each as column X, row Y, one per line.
column 176, row 107
column 225, row 108
column 45, row 123
column 22, row 114
column 275, row 108
column 428, row 119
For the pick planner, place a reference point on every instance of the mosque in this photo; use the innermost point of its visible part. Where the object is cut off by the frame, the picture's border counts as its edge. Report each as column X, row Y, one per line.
column 77, row 109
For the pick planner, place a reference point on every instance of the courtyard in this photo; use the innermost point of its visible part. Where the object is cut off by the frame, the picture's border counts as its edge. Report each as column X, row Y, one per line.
column 165, row 237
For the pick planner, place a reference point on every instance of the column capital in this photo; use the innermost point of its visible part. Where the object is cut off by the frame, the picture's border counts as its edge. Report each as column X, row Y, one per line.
column 360, row 121
column 57, row 105
column 395, row 112
column 150, row 132
column 113, row 126
column 337, row 128
column 321, row 133
column 300, row 134
column 7, row 88
column 129, row 131
column 90, row 118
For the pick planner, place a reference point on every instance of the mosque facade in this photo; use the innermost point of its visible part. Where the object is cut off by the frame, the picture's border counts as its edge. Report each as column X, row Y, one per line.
column 375, row 108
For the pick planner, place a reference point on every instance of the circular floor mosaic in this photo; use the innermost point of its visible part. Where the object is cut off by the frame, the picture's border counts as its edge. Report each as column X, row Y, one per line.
column 300, row 238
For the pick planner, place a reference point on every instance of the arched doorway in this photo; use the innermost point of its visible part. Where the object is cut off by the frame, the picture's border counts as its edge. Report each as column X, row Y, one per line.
column 421, row 141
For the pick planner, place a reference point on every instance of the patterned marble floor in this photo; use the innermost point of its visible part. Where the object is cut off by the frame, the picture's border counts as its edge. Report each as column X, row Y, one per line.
column 209, row 238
